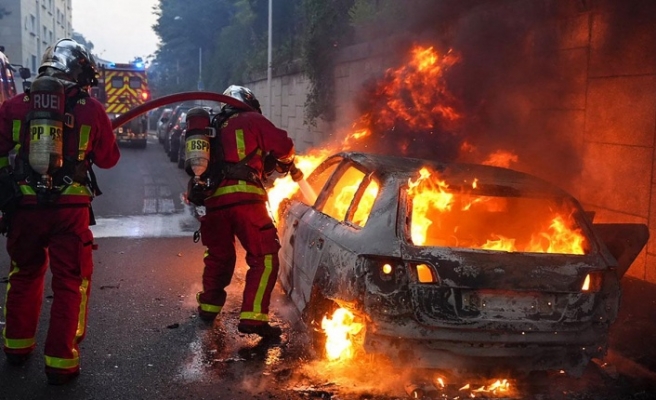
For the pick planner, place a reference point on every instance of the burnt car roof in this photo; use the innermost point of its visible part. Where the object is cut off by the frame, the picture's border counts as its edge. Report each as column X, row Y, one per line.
column 496, row 178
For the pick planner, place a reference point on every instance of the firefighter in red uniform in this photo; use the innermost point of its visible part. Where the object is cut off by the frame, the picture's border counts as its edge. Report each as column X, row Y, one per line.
column 49, row 225
column 237, row 207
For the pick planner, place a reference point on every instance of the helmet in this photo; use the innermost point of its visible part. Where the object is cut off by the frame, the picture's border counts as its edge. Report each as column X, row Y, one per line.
column 244, row 95
column 73, row 59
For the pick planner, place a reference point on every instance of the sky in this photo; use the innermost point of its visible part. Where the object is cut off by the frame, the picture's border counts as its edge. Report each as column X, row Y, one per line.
column 120, row 30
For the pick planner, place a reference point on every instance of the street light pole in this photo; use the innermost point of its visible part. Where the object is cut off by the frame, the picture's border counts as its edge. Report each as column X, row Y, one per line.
column 269, row 57
column 200, row 69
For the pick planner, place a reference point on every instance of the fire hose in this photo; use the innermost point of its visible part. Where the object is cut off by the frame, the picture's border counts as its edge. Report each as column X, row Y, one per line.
column 296, row 174
column 176, row 98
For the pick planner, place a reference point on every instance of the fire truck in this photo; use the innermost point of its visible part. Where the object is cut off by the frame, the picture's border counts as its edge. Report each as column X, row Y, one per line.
column 7, row 81
column 122, row 87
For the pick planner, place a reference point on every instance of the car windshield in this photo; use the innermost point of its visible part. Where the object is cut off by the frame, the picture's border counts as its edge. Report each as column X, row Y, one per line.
column 491, row 218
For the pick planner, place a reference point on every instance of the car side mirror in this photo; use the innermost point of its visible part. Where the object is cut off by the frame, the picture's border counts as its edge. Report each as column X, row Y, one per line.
column 25, row 73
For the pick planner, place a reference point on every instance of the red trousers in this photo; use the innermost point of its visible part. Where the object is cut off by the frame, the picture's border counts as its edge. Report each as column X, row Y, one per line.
column 252, row 225
column 59, row 237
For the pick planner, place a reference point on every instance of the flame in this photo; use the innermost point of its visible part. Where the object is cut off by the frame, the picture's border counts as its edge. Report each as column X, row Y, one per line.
column 340, row 330
column 415, row 93
column 442, row 217
column 285, row 187
column 501, row 158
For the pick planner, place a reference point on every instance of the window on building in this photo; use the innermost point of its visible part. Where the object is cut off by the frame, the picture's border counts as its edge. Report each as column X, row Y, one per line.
column 33, row 63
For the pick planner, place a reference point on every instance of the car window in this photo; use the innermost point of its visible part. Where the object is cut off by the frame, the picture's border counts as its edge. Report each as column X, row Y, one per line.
column 342, row 193
column 117, row 82
column 363, row 203
column 317, row 179
column 441, row 215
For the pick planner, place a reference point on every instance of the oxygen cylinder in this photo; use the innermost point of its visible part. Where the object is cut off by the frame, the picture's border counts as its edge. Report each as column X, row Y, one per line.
column 46, row 126
column 197, row 141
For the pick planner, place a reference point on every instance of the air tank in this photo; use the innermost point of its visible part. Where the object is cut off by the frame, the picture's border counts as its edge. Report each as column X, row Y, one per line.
column 46, row 126
column 197, row 141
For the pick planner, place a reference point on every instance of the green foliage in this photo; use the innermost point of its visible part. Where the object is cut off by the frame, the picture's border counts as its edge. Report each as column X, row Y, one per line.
column 326, row 30
column 233, row 35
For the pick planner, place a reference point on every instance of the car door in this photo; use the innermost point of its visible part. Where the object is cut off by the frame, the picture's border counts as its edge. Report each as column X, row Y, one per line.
column 326, row 233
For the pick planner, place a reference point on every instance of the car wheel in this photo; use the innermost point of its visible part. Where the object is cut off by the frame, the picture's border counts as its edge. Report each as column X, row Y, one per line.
column 181, row 162
column 316, row 309
column 173, row 154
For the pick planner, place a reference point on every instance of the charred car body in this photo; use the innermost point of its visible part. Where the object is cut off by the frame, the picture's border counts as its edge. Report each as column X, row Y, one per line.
column 467, row 268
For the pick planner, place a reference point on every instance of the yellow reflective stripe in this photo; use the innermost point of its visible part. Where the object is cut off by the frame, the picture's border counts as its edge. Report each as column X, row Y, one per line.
column 85, row 132
column 268, row 267
column 15, row 130
column 18, row 344
column 240, row 188
column 210, row 308
column 4, row 162
column 241, row 144
column 254, row 316
column 207, row 307
column 82, row 315
column 15, row 343
column 27, row 190
column 62, row 363
column 77, row 189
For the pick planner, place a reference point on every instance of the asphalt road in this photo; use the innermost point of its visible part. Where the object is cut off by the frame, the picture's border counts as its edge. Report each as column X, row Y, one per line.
column 144, row 340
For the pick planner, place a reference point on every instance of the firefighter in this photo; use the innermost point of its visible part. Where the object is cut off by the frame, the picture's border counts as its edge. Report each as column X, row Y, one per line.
column 237, row 208
column 60, row 132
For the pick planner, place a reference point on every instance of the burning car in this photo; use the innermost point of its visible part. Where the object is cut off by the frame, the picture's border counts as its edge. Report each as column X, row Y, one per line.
column 461, row 267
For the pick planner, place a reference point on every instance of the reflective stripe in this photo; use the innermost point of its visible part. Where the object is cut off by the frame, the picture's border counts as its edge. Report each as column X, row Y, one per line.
column 207, row 307
column 240, row 188
column 85, row 132
column 254, row 316
column 4, row 162
column 63, row 363
column 18, row 344
column 15, row 133
column 27, row 190
column 77, row 189
column 241, row 144
column 210, row 308
column 15, row 130
column 82, row 316
column 15, row 343
column 268, row 267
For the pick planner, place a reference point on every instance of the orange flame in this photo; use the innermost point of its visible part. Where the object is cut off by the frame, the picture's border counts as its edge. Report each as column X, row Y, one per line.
column 414, row 93
column 340, row 330
column 442, row 217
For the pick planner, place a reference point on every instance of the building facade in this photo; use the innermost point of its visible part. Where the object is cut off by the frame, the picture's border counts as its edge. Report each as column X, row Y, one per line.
column 31, row 26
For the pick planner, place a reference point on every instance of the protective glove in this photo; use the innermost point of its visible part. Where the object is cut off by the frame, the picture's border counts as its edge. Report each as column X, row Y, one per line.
column 283, row 168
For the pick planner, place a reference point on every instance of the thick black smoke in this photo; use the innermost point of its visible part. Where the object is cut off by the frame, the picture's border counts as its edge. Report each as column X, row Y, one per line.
column 501, row 85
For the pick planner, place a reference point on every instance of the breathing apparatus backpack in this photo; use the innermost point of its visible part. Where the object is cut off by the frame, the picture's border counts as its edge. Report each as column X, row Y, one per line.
column 206, row 176
column 49, row 125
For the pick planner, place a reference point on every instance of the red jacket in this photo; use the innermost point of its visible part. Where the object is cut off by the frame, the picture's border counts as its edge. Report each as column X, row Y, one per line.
column 97, row 142
column 241, row 134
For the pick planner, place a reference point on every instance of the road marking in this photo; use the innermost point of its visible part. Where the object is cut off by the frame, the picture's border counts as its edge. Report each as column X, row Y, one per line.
column 146, row 226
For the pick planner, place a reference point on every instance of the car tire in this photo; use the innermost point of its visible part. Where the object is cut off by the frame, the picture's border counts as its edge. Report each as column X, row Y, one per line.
column 173, row 155
column 316, row 309
column 181, row 162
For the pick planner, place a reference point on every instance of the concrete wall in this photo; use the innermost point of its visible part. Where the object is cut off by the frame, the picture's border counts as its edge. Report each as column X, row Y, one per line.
column 604, row 98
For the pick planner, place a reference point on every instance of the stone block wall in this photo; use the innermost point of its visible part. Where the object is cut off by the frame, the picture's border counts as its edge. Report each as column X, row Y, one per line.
column 604, row 101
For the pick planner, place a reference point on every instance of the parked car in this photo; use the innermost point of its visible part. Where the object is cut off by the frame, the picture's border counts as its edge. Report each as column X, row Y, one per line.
column 161, row 123
column 467, row 268
column 174, row 136
column 172, row 124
